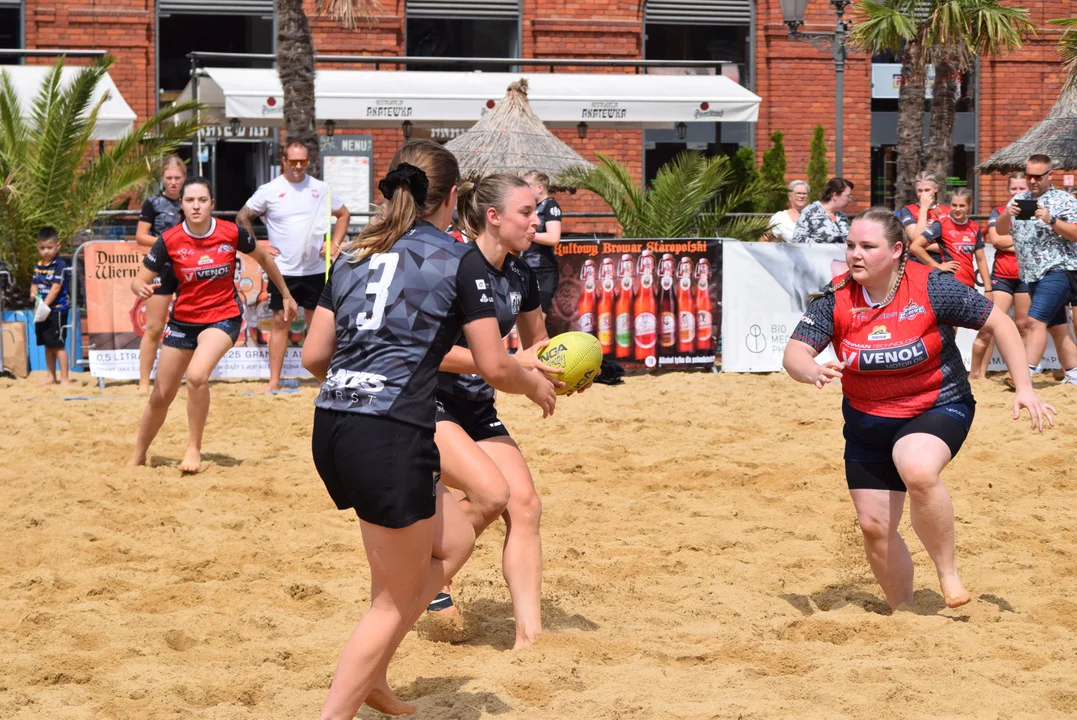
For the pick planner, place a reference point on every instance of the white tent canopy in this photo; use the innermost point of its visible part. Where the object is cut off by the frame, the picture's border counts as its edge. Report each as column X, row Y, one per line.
column 115, row 118
column 359, row 98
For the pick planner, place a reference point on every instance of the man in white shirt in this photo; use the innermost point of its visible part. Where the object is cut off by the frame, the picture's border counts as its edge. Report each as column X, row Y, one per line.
column 293, row 208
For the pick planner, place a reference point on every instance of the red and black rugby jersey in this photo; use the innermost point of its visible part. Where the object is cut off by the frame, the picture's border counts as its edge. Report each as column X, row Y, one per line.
column 205, row 268
column 1005, row 266
column 958, row 241
column 901, row 358
column 910, row 214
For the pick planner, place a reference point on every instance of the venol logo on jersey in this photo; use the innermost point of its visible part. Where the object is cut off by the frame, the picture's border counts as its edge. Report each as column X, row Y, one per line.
column 211, row 273
column 895, row 358
column 879, row 333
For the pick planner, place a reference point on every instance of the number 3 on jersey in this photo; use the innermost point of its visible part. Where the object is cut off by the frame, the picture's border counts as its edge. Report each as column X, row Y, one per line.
column 379, row 288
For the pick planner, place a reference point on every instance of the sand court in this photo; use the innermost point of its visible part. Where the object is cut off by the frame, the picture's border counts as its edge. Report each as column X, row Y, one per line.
column 701, row 561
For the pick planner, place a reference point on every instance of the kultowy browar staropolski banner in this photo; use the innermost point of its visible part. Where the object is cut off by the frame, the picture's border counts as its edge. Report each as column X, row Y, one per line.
column 650, row 303
column 116, row 318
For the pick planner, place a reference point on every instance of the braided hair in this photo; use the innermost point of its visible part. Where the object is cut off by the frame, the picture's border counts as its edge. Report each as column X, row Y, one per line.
column 894, row 233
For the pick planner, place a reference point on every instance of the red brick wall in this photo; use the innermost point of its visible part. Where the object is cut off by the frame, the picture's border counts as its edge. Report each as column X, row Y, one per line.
column 797, row 85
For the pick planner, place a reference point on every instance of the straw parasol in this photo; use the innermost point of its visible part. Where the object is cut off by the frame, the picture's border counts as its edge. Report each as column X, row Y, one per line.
column 511, row 138
column 1055, row 135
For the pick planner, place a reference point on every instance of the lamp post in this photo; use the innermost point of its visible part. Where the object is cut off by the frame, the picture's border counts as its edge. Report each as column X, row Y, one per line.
column 793, row 14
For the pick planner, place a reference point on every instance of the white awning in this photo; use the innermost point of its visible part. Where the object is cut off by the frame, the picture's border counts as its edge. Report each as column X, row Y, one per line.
column 115, row 118
column 357, row 98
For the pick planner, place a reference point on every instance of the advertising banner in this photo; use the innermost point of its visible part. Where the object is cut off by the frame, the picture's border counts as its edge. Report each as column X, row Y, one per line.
column 652, row 304
column 116, row 317
column 765, row 292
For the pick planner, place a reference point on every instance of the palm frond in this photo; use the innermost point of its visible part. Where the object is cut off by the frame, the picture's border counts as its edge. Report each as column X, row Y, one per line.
column 1068, row 49
column 882, row 26
column 348, row 13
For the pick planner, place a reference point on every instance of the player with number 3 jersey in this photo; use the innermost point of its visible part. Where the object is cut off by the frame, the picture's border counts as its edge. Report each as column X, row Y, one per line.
column 396, row 301
column 908, row 406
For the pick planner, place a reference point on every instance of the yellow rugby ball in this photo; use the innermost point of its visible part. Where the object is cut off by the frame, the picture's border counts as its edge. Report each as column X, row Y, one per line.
column 577, row 356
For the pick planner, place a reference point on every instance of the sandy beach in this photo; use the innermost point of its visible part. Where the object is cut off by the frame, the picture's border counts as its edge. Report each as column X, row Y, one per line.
column 701, row 561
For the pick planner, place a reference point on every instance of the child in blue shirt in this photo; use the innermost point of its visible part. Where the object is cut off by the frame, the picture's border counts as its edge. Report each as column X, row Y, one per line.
column 50, row 284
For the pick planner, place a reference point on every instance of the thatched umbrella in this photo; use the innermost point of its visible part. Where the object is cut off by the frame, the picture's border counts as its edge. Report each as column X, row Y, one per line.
column 511, row 138
column 1056, row 136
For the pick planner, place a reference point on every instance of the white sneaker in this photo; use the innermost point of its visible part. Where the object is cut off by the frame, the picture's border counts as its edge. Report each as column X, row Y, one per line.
column 1067, row 380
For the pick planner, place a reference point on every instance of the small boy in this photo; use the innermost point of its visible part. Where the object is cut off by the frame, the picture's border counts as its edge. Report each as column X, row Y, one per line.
column 50, row 284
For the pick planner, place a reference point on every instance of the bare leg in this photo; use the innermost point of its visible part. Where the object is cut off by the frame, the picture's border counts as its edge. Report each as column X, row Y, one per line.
column 212, row 345
column 465, row 467
column 50, row 367
column 170, row 369
column 1064, row 346
column 61, row 360
column 1035, row 340
column 399, row 563
column 278, row 344
column 521, row 560
column 879, row 513
column 1021, row 303
column 156, row 317
column 984, row 345
column 920, row 459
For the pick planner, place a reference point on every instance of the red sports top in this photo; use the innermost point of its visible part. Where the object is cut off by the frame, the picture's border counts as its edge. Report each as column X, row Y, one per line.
column 205, row 267
column 910, row 214
column 1006, row 266
column 901, row 358
column 958, row 242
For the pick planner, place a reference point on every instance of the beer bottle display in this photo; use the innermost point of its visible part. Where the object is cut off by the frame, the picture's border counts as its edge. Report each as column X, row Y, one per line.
column 667, row 306
column 622, row 333
column 585, row 308
column 686, row 316
column 605, row 305
column 646, row 331
column 704, row 304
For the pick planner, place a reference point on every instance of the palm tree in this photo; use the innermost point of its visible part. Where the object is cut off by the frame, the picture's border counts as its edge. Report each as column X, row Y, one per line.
column 1068, row 48
column 691, row 196
column 949, row 34
column 295, row 63
column 48, row 175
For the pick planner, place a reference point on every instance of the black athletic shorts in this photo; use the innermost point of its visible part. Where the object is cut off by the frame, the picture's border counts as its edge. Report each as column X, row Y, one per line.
column 478, row 419
column 547, row 283
column 167, row 279
column 305, row 289
column 184, row 336
column 1010, row 286
column 870, row 440
column 50, row 332
column 385, row 470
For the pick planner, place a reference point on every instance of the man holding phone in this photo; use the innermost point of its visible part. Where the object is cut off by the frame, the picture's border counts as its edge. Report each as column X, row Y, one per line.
column 1043, row 223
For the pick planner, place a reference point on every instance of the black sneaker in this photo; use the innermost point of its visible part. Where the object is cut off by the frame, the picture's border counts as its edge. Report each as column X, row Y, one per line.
column 443, row 601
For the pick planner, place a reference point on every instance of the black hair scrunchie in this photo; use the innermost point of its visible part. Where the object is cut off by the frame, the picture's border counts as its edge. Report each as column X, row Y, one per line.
column 409, row 176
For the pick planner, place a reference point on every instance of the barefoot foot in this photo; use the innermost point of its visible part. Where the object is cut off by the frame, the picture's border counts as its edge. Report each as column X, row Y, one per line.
column 271, row 387
column 46, row 382
column 192, row 461
column 136, row 460
column 384, row 700
column 144, row 389
column 954, row 592
column 525, row 640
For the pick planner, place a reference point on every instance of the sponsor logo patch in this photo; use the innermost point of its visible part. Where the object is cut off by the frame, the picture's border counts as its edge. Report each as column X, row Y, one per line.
column 910, row 311
column 225, row 248
column 480, row 284
column 486, row 298
column 879, row 333
column 515, row 300
column 896, row 358
column 205, row 260
column 352, row 380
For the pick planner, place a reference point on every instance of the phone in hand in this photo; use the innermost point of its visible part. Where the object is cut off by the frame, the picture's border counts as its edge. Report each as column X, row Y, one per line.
column 1028, row 208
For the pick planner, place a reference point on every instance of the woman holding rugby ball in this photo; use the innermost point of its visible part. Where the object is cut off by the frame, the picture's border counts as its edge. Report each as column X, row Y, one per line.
column 478, row 456
column 908, row 406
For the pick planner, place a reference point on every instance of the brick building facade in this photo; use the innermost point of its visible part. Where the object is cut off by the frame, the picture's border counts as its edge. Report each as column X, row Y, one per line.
column 795, row 81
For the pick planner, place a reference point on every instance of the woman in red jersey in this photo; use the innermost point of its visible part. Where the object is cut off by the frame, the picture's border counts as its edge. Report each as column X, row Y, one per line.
column 206, row 317
column 908, row 406
column 959, row 240
column 1009, row 289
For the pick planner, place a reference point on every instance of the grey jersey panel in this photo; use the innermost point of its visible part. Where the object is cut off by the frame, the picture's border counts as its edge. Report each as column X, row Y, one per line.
column 397, row 314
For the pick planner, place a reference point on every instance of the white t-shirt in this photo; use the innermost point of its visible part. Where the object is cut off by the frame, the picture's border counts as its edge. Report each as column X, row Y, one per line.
column 782, row 226
column 296, row 220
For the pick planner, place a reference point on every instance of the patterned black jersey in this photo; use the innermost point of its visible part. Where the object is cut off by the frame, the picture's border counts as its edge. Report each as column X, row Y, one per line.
column 162, row 213
column 514, row 289
column 397, row 314
column 542, row 257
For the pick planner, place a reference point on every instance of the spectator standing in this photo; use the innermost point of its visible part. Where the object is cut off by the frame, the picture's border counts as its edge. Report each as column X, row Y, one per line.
column 784, row 222
column 825, row 221
column 49, row 285
column 1047, row 258
column 542, row 255
column 293, row 208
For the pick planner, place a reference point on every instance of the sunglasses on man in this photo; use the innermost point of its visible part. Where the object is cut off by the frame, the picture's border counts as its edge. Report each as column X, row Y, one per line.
column 297, row 163
column 1029, row 176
